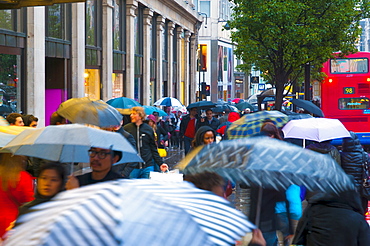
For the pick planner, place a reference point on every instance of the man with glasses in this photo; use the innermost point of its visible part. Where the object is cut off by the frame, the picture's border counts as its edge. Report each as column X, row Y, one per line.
column 101, row 161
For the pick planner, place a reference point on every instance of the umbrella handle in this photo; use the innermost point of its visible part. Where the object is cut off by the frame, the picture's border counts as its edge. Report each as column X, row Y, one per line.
column 259, row 204
column 72, row 164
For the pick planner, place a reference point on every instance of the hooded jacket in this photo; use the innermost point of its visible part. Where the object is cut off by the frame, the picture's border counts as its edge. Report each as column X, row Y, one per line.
column 146, row 146
column 352, row 157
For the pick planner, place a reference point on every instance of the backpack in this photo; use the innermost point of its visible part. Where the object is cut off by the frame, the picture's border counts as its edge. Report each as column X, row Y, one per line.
column 365, row 188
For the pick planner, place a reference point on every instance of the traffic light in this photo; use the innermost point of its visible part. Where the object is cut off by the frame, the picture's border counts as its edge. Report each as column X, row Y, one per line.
column 208, row 88
column 203, row 88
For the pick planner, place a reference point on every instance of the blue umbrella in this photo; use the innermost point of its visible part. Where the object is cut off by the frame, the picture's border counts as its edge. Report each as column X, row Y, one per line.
column 168, row 102
column 151, row 109
column 133, row 212
column 123, row 102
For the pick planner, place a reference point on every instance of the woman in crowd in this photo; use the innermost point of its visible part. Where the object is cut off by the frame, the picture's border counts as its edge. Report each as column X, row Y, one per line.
column 204, row 135
column 16, row 189
column 49, row 183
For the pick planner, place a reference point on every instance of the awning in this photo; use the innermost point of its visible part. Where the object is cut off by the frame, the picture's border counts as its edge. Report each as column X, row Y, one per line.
column 16, row 4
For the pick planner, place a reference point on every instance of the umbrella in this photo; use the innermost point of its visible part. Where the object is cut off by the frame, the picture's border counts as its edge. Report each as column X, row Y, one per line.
column 123, row 102
column 224, row 107
column 168, row 101
column 309, row 106
column 151, row 109
column 243, row 105
column 269, row 163
column 237, row 100
column 7, row 133
column 201, row 105
column 250, row 124
column 296, row 116
column 133, row 212
column 69, row 143
column 3, row 122
column 316, row 129
column 93, row 112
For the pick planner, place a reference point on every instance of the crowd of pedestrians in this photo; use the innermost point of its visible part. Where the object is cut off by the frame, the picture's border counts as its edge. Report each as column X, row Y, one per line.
column 291, row 216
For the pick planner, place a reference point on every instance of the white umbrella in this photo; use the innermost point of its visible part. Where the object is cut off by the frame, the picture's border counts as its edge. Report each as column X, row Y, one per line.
column 132, row 212
column 168, row 101
column 69, row 143
column 315, row 129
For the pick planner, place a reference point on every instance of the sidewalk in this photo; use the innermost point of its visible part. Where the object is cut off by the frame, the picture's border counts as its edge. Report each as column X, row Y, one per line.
column 174, row 156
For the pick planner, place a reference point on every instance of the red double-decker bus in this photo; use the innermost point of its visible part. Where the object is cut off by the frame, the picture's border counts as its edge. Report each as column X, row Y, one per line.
column 345, row 93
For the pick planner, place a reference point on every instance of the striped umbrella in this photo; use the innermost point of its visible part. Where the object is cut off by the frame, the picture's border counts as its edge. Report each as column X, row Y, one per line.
column 132, row 212
column 250, row 124
column 269, row 163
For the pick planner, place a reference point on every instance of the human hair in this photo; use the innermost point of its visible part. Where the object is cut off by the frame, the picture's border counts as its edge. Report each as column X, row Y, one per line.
column 118, row 153
column 12, row 118
column 209, row 110
column 269, row 129
column 205, row 180
column 140, row 111
column 10, row 168
column 199, row 136
column 28, row 119
column 57, row 166
column 56, row 119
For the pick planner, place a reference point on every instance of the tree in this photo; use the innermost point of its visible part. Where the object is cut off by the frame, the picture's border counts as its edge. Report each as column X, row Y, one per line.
column 279, row 37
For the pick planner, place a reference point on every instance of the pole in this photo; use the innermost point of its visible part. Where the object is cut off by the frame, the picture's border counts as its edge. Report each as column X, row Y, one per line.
column 307, row 82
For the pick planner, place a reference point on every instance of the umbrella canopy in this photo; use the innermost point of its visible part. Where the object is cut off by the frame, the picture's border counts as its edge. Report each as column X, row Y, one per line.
column 296, row 116
column 201, row 105
column 7, row 133
column 123, row 102
column 151, row 109
column 250, row 124
column 93, row 112
column 243, row 105
column 316, row 129
column 69, row 143
column 168, row 101
column 269, row 163
column 309, row 106
column 224, row 107
column 3, row 122
column 133, row 212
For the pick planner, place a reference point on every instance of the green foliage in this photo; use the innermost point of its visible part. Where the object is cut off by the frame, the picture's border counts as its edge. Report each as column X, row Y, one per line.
column 281, row 36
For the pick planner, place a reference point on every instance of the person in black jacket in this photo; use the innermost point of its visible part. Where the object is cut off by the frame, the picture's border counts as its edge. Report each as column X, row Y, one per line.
column 146, row 146
column 352, row 158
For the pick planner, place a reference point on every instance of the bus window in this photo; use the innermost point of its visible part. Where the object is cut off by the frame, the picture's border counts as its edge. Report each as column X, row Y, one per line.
column 354, row 65
column 354, row 103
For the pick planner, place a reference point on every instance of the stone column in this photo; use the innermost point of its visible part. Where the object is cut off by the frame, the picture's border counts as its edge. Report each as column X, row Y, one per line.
column 78, row 49
column 187, row 81
column 107, row 49
column 193, row 69
column 131, row 6
column 35, row 77
column 148, row 14
column 180, row 61
column 171, row 92
column 159, row 75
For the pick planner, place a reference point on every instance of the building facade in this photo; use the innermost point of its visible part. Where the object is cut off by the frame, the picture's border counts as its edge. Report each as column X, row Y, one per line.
column 217, row 62
column 100, row 49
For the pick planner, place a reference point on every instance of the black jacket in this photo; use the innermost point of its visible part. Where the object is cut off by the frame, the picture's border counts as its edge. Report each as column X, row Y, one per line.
column 352, row 157
column 147, row 148
column 214, row 124
column 336, row 220
column 326, row 148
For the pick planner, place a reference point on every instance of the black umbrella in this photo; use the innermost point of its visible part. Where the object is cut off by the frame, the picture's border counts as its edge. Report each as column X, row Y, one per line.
column 224, row 107
column 201, row 105
column 309, row 106
column 243, row 105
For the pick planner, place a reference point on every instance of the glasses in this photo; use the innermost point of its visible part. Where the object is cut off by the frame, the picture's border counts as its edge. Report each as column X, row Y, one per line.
column 101, row 154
